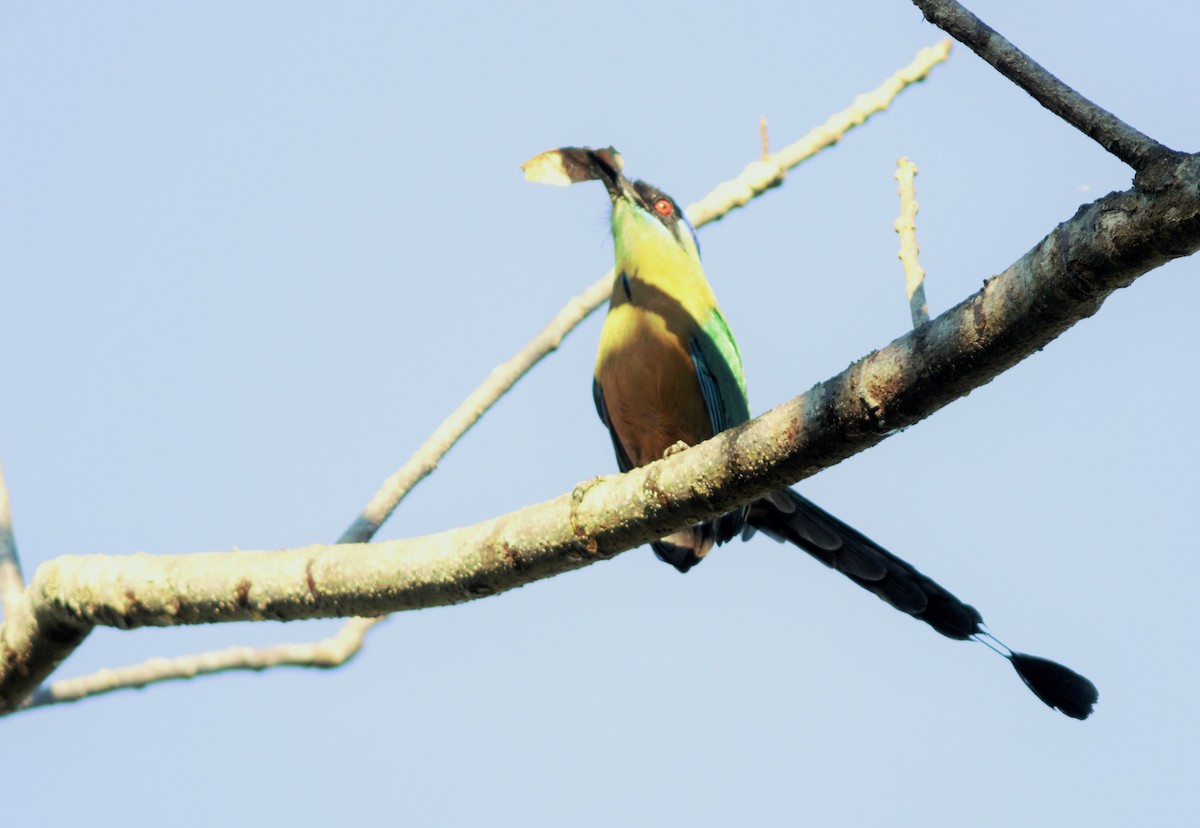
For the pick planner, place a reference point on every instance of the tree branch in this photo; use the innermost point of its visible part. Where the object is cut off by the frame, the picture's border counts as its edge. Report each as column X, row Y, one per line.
column 326, row 653
column 502, row 378
column 32, row 644
column 1064, row 279
column 906, row 227
column 1117, row 137
column 753, row 181
column 760, row 176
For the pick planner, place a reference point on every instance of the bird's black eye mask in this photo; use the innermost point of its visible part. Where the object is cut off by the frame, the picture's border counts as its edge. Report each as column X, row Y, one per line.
column 666, row 210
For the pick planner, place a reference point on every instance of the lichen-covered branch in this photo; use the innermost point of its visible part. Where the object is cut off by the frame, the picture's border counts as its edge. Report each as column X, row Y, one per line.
column 33, row 642
column 906, row 227
column 1119, row 138
column 727, row 196
column 1064, row 279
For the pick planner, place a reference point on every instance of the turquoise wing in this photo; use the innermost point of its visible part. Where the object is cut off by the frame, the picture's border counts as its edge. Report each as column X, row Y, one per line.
column 718, row 368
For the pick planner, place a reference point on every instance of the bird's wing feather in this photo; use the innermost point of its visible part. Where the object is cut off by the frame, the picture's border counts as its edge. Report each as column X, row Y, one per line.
column 714, row 403
column 719, row 370
column 718, row 367
column 602, row 409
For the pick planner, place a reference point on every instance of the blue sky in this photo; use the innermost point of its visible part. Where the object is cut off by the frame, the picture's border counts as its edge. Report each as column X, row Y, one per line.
column 251, row 254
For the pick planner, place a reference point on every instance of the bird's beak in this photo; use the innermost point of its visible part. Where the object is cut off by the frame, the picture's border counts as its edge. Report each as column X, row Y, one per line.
column 619, row 189
column 569, row 165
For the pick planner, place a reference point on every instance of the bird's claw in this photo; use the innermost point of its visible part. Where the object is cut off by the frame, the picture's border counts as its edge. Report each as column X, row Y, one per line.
column 675, row 448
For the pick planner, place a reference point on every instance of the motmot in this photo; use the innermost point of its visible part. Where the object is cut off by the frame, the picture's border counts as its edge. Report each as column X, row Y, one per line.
column 668, row 371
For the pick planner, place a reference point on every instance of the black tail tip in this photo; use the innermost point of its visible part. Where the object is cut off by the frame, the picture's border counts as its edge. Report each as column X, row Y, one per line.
column 1058, row 686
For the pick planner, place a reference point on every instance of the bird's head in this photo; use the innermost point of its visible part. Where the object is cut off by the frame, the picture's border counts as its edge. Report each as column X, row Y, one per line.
column 642, row 214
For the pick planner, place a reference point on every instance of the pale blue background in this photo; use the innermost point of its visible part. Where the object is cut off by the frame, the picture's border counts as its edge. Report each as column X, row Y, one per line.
column 252, row 253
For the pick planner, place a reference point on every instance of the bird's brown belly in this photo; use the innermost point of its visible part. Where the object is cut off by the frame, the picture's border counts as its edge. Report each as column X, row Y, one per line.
column 650, row 387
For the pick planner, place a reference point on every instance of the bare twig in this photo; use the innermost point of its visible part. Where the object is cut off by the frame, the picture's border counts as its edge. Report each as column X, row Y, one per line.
column 1116, row 136
column 12, row 585
column 502, row 378
column 906, row 226
column 1064, row 279
column 328, row 652
column 761, row 176
column 765, row 138
column 754, row 180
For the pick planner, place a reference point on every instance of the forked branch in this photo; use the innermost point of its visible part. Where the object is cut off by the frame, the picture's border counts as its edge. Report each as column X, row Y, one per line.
column 754, row 180
column 1065, row 278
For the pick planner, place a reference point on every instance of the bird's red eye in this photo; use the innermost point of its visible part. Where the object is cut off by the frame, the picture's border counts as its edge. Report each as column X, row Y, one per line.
column 663, row 207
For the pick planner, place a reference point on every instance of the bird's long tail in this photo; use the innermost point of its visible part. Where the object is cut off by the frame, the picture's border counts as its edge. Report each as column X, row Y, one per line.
column 786, row 515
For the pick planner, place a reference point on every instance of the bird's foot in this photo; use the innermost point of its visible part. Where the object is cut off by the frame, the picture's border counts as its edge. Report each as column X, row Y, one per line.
column 676, row 448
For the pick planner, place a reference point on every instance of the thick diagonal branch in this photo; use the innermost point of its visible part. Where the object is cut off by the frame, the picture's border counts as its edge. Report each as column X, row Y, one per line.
column 753, row 181
column 1064, row 279
column 1119, row 138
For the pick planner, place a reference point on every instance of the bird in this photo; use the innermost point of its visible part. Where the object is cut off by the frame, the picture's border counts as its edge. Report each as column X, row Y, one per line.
column 668, row 372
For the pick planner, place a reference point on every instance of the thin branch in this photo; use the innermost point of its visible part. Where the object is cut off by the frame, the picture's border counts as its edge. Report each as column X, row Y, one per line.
column 755, row 179
column 1064, row 279
column 12, row 584
column 1117, row 137
column 347, row 642
column 760, row 176
column 502, row 378
column 326, row 653
column 906, row 226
